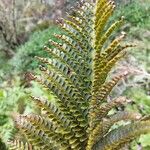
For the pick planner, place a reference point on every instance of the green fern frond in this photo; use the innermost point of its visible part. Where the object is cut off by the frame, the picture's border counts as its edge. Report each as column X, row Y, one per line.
column 104, row 126
column 62, row 120
column 77, row 74
column 36, row 137
column 117, row 138
column 51, row 129
column 17, row 145
column 107, row 87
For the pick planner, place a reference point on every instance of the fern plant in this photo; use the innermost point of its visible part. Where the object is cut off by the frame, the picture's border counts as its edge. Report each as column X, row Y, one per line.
column 77, row 74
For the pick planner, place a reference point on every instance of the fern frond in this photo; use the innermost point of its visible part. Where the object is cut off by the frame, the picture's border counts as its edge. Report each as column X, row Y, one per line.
column 86, row 29
column 77, row 75
column 17, row 145
column 107, row 87
column 102, row 94
column 122, row 135
column 36, row 137
column 99, row 113
column 74, row 56
column 73, row 49
column 68, row 127
column 104, row 125
column 109, row 31
column 75, row 37
column 104, row 109
column 61, row 94
column 105, row 60
column 67, row 85
column 51, row 129
column 103, row 12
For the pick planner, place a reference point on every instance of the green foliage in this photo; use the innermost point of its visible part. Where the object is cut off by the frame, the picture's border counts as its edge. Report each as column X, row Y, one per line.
column 141, row 104
column 2, row 145
column 4, row 68
column 9, row 102
column 78, row 75
column 14, row 98
column 135, row 13
column 23, row 60
column 144, row 140
column 141, row 99
column 142, row 38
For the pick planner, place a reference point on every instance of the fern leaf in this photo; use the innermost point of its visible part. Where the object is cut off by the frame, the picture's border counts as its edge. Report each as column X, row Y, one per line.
column 77, row 75
column 51, row 129
column 109, row 31
column 103, row 127
column 17, row 145
column 59, row 118
column 36, row 137
column 119, row 137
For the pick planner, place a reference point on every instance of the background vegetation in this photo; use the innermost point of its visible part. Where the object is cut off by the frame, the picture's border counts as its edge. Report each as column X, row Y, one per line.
column 30, row 25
